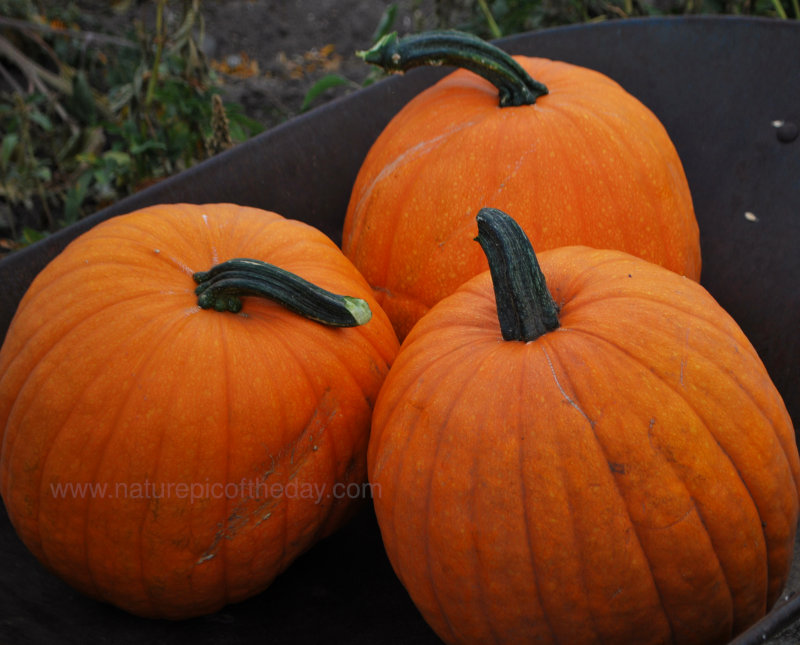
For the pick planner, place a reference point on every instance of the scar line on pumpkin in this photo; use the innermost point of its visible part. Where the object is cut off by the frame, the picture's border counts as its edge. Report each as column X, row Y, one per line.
column 567, row 398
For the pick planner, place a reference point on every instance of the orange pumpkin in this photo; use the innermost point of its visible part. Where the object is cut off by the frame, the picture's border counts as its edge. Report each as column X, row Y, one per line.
column 609, row 465
column 579, row 159
column 170, row 459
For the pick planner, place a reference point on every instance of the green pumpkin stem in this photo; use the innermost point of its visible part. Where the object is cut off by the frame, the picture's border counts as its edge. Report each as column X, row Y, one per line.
column 525, row 308
column 222, row 286
column 447, row 47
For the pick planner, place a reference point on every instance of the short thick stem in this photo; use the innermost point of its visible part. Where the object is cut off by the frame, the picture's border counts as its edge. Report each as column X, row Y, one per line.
column 525, row 308
column 444, row 47
column 223, row 285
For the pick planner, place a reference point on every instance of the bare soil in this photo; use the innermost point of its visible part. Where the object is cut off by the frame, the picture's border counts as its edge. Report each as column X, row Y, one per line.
column 271, row 52
column 293, row 44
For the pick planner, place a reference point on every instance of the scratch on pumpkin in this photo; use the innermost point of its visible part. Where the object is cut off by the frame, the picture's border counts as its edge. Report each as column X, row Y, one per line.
column 566, row 396
column 225, row 530
column 323, row 413
column 407, row 156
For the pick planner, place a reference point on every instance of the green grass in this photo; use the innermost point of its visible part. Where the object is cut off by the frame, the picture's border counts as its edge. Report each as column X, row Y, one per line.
column 85, row 126
column 82, row 127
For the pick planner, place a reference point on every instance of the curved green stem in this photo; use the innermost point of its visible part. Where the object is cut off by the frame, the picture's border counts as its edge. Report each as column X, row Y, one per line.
column 220, row 288
column 525, row 308
column 446, row 47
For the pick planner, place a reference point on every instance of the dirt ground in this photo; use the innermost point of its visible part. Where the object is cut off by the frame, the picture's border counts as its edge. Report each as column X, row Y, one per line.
column 294, row 44
column 270, row 52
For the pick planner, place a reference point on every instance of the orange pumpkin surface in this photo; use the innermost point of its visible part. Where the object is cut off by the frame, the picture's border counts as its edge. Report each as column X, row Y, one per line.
column 585, row 164
column 627, row 476
column 171, row 459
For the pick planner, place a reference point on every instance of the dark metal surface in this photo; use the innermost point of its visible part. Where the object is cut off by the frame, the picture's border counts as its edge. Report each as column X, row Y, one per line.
column 717, row 84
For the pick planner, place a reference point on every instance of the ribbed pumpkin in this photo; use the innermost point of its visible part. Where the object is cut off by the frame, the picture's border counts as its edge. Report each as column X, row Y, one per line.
column 579, row 160
column 168, row 458
column 609, row 465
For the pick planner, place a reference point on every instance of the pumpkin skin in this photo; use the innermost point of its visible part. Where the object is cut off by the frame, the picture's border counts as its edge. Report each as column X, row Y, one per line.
column 630, row 477
column 587, row 164
column 111, row 375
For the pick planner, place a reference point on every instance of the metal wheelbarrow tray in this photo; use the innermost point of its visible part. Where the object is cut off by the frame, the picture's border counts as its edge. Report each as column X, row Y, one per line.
column 718, row 84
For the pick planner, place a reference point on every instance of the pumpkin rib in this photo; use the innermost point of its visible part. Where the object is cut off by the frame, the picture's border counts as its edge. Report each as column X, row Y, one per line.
column 144, row 361
column 222, row 552
column 633, row 525
column 528, row 519
column 233, row 521
column 214, row 251
column 263, row 232
column 473, row 546
column 616, row 126
column 41, row 357
column 267, row 322
column 65, row 332
column 724, row 452
column 478, row 426
column 694, row 312
column 394, row 541
column 400, row 395
column 636, row 527
column 58, row 340
column 329, row 436
column 157, row 452
column 444, row 421
column 284, row 442
column 407, row 356
column 603, row 126
column 457, row 232
column 428, row 561
column 408, row 155
column 456, row 357
column 429, row 262
column 395, row 245
column 728, row 374
column 328, row 350
column 43, row 292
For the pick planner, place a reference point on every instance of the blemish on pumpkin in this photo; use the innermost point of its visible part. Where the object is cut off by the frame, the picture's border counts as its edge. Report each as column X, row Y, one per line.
column 407, row 156
column 263, row 511
column 232, row 525
column 669, row 524
column 214, row 254
column 211, row 551
column 205, row 558
column 617, row 468
column 567, row 398
column 270, row 471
